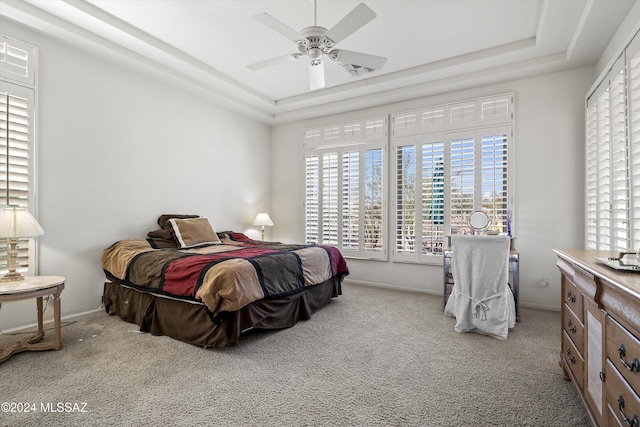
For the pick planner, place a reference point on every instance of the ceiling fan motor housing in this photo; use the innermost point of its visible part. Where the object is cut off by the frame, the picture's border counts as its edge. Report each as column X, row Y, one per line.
column 314, row 43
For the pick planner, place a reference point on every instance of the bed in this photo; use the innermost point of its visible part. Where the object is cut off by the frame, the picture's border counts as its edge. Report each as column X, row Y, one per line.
column 188, row 282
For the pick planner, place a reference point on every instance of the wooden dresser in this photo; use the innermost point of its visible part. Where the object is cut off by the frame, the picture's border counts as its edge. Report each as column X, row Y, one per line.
column 601, row 336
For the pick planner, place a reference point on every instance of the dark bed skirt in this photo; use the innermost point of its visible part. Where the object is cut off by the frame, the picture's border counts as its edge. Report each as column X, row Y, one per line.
column 190, row 322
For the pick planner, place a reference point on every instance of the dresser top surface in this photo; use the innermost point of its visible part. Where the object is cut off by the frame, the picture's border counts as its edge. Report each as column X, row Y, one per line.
column 586, row 259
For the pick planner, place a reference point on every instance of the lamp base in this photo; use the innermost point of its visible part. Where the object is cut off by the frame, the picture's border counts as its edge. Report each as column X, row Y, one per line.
column 11, row 276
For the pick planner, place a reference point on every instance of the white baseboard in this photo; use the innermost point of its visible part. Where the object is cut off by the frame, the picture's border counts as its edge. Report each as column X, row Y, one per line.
column 34, row 326
column 439, row 293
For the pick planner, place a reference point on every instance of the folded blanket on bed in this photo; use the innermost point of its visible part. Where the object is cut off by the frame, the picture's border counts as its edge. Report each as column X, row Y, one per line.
column 224, row 277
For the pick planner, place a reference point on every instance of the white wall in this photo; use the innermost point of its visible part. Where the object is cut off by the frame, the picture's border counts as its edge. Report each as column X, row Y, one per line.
column 119, row 146
column 549, row 169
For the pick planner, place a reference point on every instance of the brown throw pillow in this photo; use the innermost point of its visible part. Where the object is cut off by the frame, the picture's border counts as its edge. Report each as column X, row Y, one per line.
column 163, row 233
column 193, row 232
column 163, row 220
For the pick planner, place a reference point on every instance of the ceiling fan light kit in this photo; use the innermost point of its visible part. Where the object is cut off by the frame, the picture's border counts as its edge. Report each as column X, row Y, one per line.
column 316, row 42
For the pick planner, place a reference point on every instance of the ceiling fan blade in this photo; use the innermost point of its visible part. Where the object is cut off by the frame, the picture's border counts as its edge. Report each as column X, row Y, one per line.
column 357, row 58
column 316, row 75
column 350, row 23
column 273, row 61
column 278, row 26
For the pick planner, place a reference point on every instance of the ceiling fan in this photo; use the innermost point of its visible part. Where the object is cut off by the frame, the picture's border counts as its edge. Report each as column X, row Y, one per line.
column 317, row 42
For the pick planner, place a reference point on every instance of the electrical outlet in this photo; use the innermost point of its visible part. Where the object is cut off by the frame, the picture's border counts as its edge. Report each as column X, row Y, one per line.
column 544, row 283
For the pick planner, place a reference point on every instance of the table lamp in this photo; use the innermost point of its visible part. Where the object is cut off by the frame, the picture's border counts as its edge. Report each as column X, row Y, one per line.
column 263, row 219
column 16, row 223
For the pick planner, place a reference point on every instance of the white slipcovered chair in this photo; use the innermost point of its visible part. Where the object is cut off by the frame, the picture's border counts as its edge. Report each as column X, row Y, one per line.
column 481, row 300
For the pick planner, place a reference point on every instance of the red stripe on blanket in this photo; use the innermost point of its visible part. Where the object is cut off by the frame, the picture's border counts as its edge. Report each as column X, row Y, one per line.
column 338, row 263
column 181, row 276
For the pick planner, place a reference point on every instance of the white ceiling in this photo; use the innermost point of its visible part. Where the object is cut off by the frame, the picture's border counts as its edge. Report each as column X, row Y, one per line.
column 432, row 46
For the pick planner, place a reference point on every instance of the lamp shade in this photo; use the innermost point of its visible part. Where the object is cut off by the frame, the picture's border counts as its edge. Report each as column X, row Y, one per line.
column 18, row 222
column 263, row 219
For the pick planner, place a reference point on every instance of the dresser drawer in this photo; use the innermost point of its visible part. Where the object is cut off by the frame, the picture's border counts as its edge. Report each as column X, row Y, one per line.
column 573, row 299
column 612, row 418
column 573, row 327
column 573, row 359
column 622, row 401
column 623, row 349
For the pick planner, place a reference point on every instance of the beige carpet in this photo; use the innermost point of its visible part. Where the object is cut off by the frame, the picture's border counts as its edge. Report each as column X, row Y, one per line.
column 372, row 357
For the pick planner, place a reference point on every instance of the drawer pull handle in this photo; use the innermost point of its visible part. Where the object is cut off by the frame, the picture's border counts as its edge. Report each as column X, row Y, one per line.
column 571, row 359
column 572, row 328
column 630, row 422
column 631, row 367
column 602, row 375
column 571, row 297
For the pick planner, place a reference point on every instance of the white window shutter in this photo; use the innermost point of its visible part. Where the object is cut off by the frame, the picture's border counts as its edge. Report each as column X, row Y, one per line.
column 433, row 119
column 496, row 109
column 604, row 169
column 405, row 199
column 351, row 200
column 633, row 96
column 345, row 198
column 312, row 137
column 591, row 184
column 432, row 207
column 312, row 199
column 619, row 156
column 375, row 129
column 463, row 115
column 17, row 61
column 494, row 176
column 330, row 198
column 462, row 187
column 331, row 134
column 373, row 175
column 353, row 132
column 405, row 123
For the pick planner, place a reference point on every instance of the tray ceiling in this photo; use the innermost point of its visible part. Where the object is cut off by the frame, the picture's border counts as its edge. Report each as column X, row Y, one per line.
column 432, row 46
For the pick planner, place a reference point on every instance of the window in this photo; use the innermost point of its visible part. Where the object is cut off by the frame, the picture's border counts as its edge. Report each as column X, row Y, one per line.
column 612, row 220
column 450, row 160
column 345, row 191
column 17, row 109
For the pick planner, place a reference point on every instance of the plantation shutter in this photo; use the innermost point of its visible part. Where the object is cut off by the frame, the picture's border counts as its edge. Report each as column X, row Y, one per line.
column 604, row 170
column 462, row 182
column 373, row 175
column 432, row 209
column 17, row 61
column 351, row 200
column 345, row 195
column 406, row 179
column 633, row 96
column 330, row 198
column 612, row 220
column 619, row 157
column 15, row 129
column 17, row 110
column 494, row 176
column 591, row 208
column 311, row 199
column 450, row 160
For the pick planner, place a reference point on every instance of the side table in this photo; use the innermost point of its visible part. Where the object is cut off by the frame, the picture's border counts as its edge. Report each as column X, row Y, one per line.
column 34, row 287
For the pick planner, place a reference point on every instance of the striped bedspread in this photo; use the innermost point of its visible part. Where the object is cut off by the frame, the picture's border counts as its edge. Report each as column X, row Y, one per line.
column 224, row 277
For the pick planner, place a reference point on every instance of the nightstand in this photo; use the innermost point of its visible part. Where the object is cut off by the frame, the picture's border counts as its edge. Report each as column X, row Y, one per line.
column 34, row 287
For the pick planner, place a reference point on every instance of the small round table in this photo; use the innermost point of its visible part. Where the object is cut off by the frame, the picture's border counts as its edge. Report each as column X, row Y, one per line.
column 34, row 287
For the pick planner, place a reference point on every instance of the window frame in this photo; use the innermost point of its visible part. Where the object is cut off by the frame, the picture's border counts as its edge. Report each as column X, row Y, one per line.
column 20, row 82
column 339, row 139
column 471, row 119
